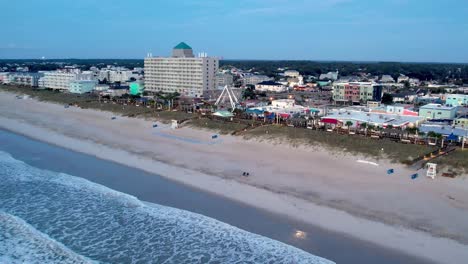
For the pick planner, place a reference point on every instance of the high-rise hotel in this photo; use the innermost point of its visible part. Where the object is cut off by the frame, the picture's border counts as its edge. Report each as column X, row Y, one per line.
column 183, row 72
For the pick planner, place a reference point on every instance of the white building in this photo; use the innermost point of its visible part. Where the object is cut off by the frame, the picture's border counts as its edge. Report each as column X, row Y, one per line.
column 223, row 79
column 253, row 79
column 61, row 80
column 117, row 75
column 270, row 86
column 83, row 86
column 4, row 77
column 182, row 73
column 283, row 103
column 25, row 78
column 387, row 79
column 329, row 76
column 291, row 73
column 403, row 78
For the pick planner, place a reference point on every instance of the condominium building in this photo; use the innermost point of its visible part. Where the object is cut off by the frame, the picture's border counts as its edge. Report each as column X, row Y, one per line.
column 25, row 78
column 82, row 86
column 61, row 80
column 356, row 92
column 183, row 72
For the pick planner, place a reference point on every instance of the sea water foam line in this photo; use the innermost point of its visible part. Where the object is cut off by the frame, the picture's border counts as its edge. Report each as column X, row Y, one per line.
column 109, row 226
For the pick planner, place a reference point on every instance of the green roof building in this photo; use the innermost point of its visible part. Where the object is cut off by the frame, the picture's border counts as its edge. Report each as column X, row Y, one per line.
column 182, row 45
column 136, row 88
column 182, row 50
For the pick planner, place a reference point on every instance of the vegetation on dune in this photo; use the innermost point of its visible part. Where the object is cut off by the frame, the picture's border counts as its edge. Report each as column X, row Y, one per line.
column 397, row 152
column 456, row 160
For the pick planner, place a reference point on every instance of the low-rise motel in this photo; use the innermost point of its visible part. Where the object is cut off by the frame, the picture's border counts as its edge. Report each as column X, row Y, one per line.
column 356, row 117
column 438, row 112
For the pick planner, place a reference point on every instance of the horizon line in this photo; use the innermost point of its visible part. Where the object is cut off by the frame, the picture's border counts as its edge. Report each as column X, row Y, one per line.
column 224, row 59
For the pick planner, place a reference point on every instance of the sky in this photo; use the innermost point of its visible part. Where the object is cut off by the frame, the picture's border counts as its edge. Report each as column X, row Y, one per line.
column 344, row 30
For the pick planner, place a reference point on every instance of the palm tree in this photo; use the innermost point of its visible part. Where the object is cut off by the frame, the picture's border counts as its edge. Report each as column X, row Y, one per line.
column 348, row 125
column 168, row 98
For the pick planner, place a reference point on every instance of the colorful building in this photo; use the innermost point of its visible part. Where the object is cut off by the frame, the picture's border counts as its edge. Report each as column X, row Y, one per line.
column 356, row 92
column 82, row 86
column 457, row 100
column 438, row 111
column 461, row 122
column 136, row 88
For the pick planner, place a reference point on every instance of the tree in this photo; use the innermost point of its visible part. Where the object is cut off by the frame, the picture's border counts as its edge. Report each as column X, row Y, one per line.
column 407, row 84
column 249, row 94
column 348, row 125
column 387, row 99
column 168, row 98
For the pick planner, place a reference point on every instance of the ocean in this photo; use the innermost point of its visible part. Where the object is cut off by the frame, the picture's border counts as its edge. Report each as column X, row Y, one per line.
column 60, row 218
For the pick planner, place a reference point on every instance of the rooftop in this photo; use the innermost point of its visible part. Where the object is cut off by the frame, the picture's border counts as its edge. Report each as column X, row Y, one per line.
column 182, row 45
column 437, row 106
column 269, row 83
column 375, row 118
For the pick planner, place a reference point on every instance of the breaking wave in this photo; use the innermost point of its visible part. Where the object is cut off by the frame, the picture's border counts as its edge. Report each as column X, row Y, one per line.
column 83, row 221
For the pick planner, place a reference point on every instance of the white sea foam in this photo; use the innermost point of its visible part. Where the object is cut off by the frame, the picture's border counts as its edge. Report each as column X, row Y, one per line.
column 21, row 243
column 110, row 226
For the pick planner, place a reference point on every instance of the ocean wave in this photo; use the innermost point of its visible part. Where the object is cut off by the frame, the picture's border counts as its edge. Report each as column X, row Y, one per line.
column 21, row 243
column 109, row 226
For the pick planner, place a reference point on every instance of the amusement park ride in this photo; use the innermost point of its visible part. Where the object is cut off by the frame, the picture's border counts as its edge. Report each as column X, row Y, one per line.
column 226, row 94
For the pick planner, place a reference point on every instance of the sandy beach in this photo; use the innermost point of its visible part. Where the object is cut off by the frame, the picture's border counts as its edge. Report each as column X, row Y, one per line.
column 426, row 218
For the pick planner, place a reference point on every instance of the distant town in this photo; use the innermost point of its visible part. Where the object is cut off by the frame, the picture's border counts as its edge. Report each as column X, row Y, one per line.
column 409, row 103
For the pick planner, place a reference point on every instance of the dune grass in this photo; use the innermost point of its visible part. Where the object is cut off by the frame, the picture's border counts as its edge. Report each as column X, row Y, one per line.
column 377, row 148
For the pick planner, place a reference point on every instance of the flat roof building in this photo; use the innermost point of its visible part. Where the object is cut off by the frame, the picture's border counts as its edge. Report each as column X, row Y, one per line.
column 270, row 86
column 183, row 72
column 82, row 86
column 357, row 118
column 457, row 99
column 438, row 111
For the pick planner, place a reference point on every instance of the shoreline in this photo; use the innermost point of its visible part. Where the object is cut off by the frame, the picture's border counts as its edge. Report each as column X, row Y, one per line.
column 154, row 189
column 263, row 197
